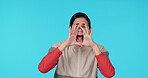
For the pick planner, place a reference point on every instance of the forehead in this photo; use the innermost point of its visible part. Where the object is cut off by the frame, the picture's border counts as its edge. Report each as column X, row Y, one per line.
column 80, row 20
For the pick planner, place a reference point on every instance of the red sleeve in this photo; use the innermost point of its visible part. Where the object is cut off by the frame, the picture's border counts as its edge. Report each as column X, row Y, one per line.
column 49, row 61
column 105, row 66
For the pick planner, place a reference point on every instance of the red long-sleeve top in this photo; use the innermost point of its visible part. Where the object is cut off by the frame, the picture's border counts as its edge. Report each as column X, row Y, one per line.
column 50, row 60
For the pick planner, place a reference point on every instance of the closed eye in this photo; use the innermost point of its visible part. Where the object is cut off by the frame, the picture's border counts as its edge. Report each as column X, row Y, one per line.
column 83, row 26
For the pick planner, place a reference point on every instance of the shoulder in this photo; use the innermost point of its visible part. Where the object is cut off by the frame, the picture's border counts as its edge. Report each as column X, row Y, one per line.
column 54, row 46
column 103, row 49
column 57, row 44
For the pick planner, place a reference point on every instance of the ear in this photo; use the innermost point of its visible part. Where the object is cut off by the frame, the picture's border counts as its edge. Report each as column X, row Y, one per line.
column 90, row 31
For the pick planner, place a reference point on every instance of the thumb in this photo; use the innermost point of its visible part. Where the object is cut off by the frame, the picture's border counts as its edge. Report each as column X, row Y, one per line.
column 79, row 44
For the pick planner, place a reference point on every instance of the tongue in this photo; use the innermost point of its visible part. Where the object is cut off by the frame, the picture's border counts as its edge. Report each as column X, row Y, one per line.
column 79, row 39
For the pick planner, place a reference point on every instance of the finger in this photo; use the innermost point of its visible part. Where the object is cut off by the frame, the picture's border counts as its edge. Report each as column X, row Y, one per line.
column 73, row 29
column 87, row 29
column 76, row 30
column 84, row 31
column 79, row 44
column 69, row 31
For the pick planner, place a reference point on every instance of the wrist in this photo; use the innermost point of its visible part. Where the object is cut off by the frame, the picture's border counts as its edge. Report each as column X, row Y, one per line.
column 65, row 44
column 94, row 45
column 62, row 46
column 96, row 49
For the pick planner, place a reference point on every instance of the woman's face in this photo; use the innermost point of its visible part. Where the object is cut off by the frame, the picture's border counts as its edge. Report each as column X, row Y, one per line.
column 80, row 22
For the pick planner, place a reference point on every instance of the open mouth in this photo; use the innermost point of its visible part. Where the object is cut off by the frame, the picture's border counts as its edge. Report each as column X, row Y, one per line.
column 79, row 38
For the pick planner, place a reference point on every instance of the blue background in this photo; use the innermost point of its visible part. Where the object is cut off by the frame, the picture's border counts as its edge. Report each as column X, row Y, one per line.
column 29, row 27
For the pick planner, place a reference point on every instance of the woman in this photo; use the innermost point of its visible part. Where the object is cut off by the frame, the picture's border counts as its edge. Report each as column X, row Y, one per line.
column 78, row 56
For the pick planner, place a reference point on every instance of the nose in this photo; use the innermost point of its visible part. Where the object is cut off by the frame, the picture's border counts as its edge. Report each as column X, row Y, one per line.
column 79, row 29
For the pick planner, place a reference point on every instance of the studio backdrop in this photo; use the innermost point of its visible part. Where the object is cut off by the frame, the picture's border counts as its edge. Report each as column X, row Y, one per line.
column 28, row 28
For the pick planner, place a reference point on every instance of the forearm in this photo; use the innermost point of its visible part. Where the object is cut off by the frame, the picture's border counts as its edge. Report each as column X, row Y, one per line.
column 63, row 46
column 49, row 61
column 104, row 63
column 96, row 49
